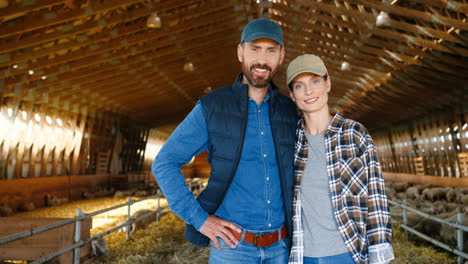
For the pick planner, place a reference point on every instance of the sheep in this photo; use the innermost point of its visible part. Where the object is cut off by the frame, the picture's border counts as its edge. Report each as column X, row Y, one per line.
column 141, row 193
column 440, row 207
column 144, row 222
column 401, row 196
column 88, row 195
column 391, row 193
column 400, row 186
column 464, row 200
column 52, row 200
column 5, row 210
column 412, row 193
column 433, row 194
column 27, row 207
column 122, row 194
column 99, row 247
column 448, row 234
column 123, row 228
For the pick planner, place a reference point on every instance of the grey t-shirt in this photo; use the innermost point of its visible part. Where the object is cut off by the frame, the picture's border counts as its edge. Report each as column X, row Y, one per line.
column 321, row 235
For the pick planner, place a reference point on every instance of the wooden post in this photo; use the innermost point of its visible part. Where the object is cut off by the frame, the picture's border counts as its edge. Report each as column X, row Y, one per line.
column 129, row 218
column 460, row 235
column 77, row 237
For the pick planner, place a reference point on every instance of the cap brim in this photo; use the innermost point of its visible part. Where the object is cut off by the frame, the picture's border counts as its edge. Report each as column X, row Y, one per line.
column 309, row 70
column 259, row 35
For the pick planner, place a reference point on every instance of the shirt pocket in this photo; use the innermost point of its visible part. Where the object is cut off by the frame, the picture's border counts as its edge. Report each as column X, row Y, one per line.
column 353, row 176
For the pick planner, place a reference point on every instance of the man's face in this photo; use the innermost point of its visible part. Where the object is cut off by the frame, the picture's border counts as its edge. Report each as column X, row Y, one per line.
column 260, row 60
column 310, row 92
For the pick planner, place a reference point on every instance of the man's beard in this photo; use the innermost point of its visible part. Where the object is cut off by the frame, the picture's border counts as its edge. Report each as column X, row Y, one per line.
column 258, row 82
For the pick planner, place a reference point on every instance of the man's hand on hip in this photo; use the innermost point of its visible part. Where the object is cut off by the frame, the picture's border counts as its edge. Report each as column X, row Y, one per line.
column 216, row 227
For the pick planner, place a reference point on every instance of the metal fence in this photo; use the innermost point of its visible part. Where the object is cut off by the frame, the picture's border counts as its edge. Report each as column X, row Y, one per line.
column 197, row 187
column 458, row 226
column 80, row 216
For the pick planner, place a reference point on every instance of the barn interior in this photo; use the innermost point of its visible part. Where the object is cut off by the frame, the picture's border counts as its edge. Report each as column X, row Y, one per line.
column 91, row 89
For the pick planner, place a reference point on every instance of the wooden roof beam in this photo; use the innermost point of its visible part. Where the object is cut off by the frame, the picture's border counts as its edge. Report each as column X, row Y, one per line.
column 399, row 37
column 97, row 56
column 25, row 7
column 159, row 60
column 79, row 74
column 123, row 30
column 411, row 13
column 51, row 18
column 65, row 32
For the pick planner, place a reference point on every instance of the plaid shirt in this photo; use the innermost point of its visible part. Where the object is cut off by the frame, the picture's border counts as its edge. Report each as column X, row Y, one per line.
column 357, row 190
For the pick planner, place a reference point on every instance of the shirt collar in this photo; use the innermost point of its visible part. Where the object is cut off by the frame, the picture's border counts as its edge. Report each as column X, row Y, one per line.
column 267, row 96
column 334, row 127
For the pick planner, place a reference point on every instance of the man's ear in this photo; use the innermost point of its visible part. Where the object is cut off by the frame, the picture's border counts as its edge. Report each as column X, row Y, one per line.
column 240, row 52
column 328, row 84
column 282, row 54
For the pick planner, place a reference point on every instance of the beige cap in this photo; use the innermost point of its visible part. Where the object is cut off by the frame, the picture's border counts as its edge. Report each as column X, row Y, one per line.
column 305, row 63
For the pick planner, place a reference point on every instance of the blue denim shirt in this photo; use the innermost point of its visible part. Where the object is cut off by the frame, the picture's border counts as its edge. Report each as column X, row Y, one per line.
column 254, row 200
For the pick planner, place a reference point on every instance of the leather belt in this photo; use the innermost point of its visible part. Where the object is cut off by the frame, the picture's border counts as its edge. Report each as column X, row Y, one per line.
column 262, row 240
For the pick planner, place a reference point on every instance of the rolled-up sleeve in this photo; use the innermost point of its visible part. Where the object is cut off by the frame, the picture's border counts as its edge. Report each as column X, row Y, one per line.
column 188, row 139
column 379, row 228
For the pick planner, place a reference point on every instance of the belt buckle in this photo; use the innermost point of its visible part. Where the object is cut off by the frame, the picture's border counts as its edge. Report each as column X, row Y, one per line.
column 255, row 238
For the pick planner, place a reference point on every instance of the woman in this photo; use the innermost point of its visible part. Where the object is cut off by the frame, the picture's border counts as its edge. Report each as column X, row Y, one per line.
column 340, row 206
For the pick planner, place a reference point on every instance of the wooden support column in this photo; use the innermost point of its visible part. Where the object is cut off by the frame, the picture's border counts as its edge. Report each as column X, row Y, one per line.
column 78, row 140
column 8, row 146
column 392, row 146
column 26, row 140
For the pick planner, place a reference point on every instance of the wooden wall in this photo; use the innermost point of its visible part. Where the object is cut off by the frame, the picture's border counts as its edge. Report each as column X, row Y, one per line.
column 39, row 141
column 435, row 144
column 18, row 192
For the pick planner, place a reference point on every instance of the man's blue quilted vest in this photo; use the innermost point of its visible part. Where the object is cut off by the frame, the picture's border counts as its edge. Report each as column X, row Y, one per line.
column 225, row 111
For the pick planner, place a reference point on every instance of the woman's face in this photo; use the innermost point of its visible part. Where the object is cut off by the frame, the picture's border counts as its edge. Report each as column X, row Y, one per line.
column 310, row 92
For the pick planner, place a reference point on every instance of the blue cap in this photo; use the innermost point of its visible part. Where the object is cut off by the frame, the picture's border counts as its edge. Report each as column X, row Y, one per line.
column 262, row 28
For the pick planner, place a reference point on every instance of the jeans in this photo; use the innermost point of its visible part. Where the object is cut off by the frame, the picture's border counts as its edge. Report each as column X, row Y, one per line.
column 344, row 258
column 246, row 253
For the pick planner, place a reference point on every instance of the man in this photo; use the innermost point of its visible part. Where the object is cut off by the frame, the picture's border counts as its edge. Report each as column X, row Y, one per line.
column 248, row 129
column 341, row 213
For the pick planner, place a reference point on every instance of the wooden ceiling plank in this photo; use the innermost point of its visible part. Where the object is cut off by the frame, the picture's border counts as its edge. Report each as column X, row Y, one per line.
column 157, row 59
column 68, row 76
column 95, row 60
column 25, row 7
column 111, row 95
column 411, row 13
column 121, row 31
column 51, row 18
column 93, row 54
column 200, row 46
column 451, row 5
column 86, row 27
column 370, row 19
